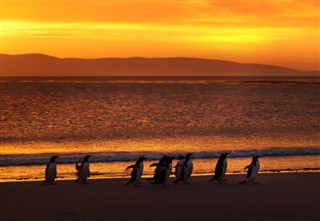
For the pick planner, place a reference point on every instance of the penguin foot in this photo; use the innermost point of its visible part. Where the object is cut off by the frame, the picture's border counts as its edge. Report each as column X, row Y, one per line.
column 250, row 182
column 84, row 182
column 243, row 182
column 52, row 183
column 222, row 181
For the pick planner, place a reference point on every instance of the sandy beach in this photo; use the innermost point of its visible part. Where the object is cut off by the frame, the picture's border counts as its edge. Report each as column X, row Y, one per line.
column 292, row 196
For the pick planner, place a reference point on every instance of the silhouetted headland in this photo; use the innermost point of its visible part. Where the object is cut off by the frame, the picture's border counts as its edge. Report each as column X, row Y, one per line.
column 44, row 65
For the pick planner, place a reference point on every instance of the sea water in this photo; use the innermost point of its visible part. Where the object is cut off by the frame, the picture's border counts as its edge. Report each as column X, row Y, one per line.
column 119, row 119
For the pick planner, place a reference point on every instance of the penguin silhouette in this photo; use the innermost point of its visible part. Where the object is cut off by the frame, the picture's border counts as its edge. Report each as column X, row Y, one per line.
column 187, row 168
column 137, row 170
column 253, row 170
column 221, row 168
column 51, row 170
column 178, row 168
column 83, row 170
column 165, row 171
column 157, row 171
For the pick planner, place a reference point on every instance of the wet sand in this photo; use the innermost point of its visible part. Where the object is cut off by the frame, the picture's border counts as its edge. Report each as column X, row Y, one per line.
column 292, row 196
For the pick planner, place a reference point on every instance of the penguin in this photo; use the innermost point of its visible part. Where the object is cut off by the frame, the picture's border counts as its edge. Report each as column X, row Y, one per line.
column 178, row 168
column 157, row 171
column 83, row 170
column 221, row 168
column 253, row 170
column 165, row 171
column 51, row 170
column 187, row 168
column 136, row 173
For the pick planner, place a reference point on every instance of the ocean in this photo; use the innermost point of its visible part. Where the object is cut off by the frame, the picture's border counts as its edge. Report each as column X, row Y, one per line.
column 118, row 119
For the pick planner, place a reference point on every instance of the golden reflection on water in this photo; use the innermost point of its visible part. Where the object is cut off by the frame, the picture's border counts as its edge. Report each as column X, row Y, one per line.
column 72, row 119
column 162, row 145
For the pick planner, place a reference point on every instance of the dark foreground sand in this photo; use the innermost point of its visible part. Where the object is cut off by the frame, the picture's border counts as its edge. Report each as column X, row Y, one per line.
column 294, row 196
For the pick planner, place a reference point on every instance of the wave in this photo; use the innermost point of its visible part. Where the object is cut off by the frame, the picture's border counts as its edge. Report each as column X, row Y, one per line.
column 40, row 159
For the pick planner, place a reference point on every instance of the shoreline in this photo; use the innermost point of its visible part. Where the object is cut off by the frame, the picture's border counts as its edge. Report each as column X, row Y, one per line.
column 59, row 179
column 202, row 167
column 284, row 196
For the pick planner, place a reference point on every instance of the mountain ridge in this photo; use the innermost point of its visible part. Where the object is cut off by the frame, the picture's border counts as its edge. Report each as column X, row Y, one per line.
column 46, row 65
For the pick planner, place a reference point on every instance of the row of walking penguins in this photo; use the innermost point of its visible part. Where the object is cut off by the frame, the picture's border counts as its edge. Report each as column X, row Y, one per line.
column 163, row 169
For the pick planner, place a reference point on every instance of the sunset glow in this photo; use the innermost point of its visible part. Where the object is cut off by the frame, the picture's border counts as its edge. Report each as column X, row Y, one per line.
column 272, row 32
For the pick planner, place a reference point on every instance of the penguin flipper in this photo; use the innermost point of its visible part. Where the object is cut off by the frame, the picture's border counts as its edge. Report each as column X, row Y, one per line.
column 78, row 167
column 131, row 166
column 248, row 166
column 154, row 165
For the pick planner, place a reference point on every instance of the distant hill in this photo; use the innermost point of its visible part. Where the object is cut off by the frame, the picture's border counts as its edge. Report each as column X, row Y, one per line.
column 44, row 65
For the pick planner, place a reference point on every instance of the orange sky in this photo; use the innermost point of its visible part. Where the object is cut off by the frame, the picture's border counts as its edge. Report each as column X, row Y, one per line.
column 279, row 32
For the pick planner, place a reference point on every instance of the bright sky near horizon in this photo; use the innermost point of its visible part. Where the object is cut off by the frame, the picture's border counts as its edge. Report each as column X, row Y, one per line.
column 278, row 32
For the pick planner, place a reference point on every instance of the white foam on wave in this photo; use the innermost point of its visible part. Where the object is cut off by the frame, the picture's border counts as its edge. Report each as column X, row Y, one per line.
column 38, row 159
